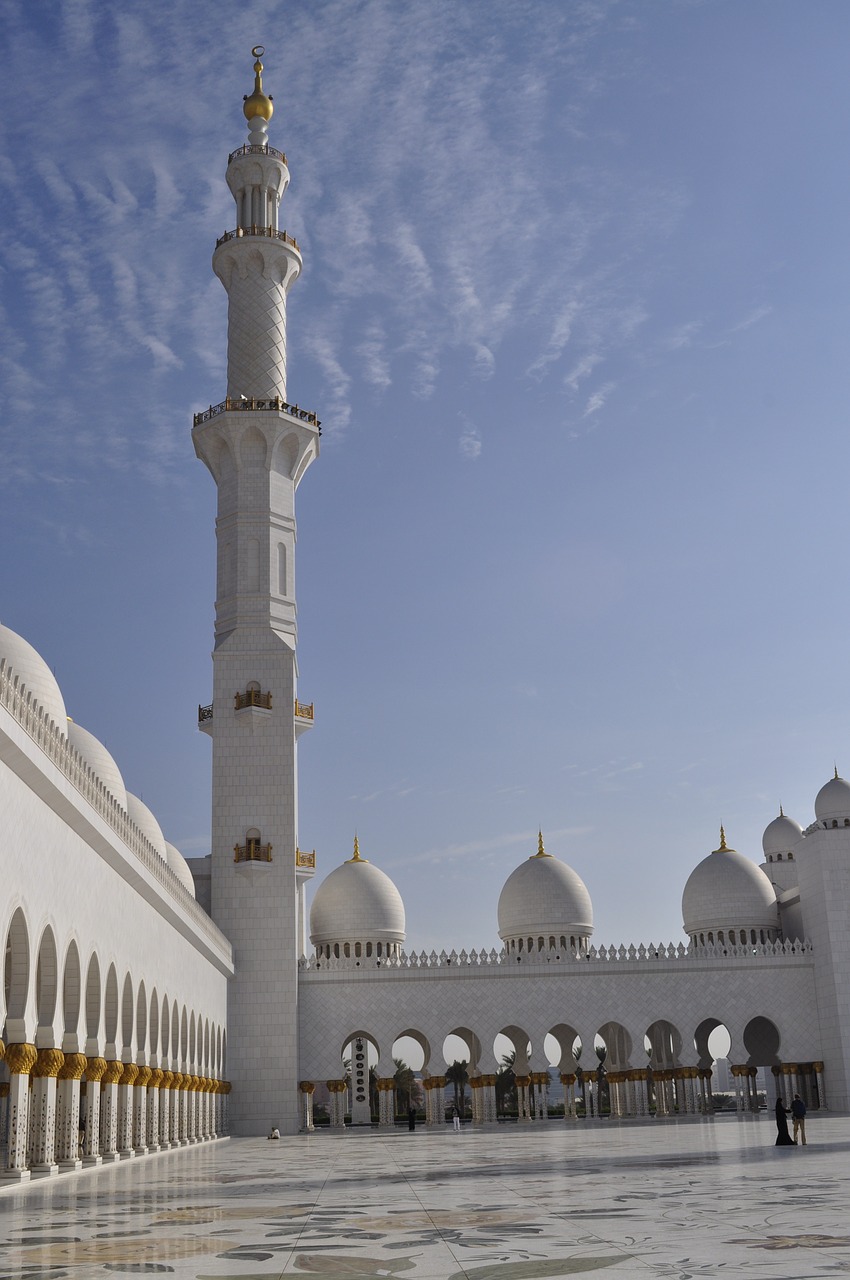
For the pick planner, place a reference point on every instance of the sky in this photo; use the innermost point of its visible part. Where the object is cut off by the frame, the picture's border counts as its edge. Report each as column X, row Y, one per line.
column 574, row 317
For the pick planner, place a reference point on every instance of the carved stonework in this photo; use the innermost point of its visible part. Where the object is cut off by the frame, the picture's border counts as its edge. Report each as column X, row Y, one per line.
column 73, row 1066
column 95, row 1069
column 21, row 1058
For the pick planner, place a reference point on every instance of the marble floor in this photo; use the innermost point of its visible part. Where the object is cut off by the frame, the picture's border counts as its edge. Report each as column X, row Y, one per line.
column 670, row 1198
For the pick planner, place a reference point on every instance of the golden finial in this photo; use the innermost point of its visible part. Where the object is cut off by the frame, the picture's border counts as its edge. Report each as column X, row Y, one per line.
column 836, row 771
column 541, row 852
column 258, row 104
column 723, row 848
column 356, row 855
column 781, row 810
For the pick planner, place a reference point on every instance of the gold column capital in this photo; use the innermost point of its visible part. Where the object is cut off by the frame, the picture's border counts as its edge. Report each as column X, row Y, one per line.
column 306, row 1086
column 129, row 1074
column 113, row 1072
column 817, row 1066
column 48, row 1064
column 226, row 1086
column 167, row 1080
column 4, row 1089
column 143, row 1077
column 2, row 1050
column 178, row 1079
column 73, row 1066
column 156, row 1078
column 95, row 1069
column 568, row 1077
column 20, row 1058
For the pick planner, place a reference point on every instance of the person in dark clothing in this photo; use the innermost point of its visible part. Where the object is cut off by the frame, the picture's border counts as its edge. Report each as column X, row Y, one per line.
column 411, row 1118
column 798, row 1111
column 783, row 1137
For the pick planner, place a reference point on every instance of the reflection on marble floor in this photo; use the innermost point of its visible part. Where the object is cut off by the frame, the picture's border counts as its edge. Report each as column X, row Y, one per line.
column 675, row 1199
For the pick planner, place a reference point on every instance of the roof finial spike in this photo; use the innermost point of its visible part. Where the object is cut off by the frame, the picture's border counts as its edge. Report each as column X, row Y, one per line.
column 723, row 847
column 541, row 852
column 259, row 104
column 835, row 775
column 356, row 857
column 781, row 810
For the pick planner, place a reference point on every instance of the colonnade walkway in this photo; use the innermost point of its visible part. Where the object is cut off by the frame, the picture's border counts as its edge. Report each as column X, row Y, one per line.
column 677, row 1198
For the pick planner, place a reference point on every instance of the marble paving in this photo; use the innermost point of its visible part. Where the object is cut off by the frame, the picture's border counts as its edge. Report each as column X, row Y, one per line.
column 690, row 1198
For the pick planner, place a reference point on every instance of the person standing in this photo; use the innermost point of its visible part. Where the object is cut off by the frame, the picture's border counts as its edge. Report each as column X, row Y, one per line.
column 798, row 1112
column 455, row 1119
column 783, row 1137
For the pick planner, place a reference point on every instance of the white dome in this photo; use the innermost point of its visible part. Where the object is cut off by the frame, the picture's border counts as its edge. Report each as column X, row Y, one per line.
column 357, row 903
column 544, row 897
column 780, row 836
column 34, row 672
column 728, row 891
column 180, row 867
column 147, row 823
column 98, row 759
column 833, row 800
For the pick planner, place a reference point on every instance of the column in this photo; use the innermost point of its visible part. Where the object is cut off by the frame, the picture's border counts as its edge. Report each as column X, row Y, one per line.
column 68, row 1111
column 386, row 1102
column 109, row 1110
column 540, row 1079
column 165, row 1110
column 216, row 1109
column 154, row 1085
column 523, row 1108
column 817, row 1067
column 739, row 1071
column 337, row 1090
column 95, row 1068
column 488, row 1098
column 43, row 1103
column 307, row 1089
column 140, row 1111
column 789, row 1072
column 706, row 1092
column 568, row 1080
column 226, row 1086
column 192, row 1083
column 20, row 1059
column 4, row 1110
column 126, row 1082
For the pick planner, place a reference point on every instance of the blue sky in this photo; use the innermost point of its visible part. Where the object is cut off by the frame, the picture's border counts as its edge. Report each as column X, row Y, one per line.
column 573, row 315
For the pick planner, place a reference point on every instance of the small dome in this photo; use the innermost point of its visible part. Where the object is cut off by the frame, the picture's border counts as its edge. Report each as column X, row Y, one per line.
column 259, row 104
column 357, row 903
column 98, row 759
column 33, row 671
column 544, row 897
column 147, row 824
column 728, row 891
column 180, row 867
column 780, row 836
column 833, row 800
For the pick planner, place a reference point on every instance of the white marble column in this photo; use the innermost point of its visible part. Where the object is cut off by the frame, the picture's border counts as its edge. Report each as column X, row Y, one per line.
column 126, row 1092
column 109, row 1111
column 68, row 1111
column 307, row 1089
column 140, row 1111
column 20, row 1059
column 43, row 1104
column 386, row 1102
column 817, row 1067
column 152, row 1108
column 95, row 1069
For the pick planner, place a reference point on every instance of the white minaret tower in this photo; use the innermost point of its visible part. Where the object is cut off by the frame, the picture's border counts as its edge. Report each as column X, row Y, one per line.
column 257, row 447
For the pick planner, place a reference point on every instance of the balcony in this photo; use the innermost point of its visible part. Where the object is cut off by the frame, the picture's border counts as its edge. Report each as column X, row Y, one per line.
column 305, row 859
column 260, row 149
column 265, row 233
column 252, row 851
column 252, row 698
column 303, row 710
column 272, row 404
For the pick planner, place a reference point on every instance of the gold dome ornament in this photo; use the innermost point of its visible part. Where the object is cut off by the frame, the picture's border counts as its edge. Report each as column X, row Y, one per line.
column 258, row 104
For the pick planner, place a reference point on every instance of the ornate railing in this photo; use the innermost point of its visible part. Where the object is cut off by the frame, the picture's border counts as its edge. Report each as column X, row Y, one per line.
column 266, row 233
column 275, row 403
column 205, row 713
column 643, row 954
column 252, row 698
column 304, row 859
column 256, row 149
column 304, row 710
column 47, row 735
column 252, row 851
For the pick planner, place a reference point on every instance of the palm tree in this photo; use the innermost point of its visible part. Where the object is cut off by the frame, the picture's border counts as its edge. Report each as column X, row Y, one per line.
column 506, row 1083
column 457, row 1075
column 407, row 1091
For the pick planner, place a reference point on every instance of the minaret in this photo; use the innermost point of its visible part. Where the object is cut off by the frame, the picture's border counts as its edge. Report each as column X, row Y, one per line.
column 257, row 447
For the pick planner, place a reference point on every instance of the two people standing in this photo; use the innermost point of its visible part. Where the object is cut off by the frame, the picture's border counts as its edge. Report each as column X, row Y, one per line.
column 798, row 1113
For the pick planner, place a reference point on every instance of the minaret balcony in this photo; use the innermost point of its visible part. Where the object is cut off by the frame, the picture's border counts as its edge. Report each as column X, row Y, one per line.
column 256, row 149
column 274, row 404
column 252, row 698
column 267, row 233
column 252, row 851
column 205, row 719
column 304, row 717
column 305, row 864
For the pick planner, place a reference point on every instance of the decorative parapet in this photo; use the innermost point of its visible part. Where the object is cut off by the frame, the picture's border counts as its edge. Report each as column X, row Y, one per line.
column 26, row 711
column 260, row 149
column 305, row 859
column 252, row 698
column 304, row 710
column 205, row 714
column 273, row 403
column 268, row 233
column 643, row 954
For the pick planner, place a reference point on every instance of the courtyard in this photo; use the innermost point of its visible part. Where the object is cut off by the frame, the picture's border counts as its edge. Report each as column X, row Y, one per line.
column 673, row 1198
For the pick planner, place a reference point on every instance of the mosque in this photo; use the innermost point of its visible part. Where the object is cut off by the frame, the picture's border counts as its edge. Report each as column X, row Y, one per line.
column 147, row 1004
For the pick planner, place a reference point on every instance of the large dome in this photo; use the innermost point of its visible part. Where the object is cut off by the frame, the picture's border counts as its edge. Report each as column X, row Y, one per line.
column 98, row 759
column 832, row 802
column 780, row 836
column 357, row 906
column 544, row 904
column 727, row 892
column 34, row 672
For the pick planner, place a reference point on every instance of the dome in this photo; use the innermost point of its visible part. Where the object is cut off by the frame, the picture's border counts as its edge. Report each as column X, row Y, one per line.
column 180, row 867
column 98, row 759
column 147, row 824
column 34, row 672
column 544, row 898
column 780, row 836
column 833, row 800
column 357, row 903
column 728, row 891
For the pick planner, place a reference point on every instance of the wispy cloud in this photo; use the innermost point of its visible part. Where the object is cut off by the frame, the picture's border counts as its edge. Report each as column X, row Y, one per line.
column 493, row 844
